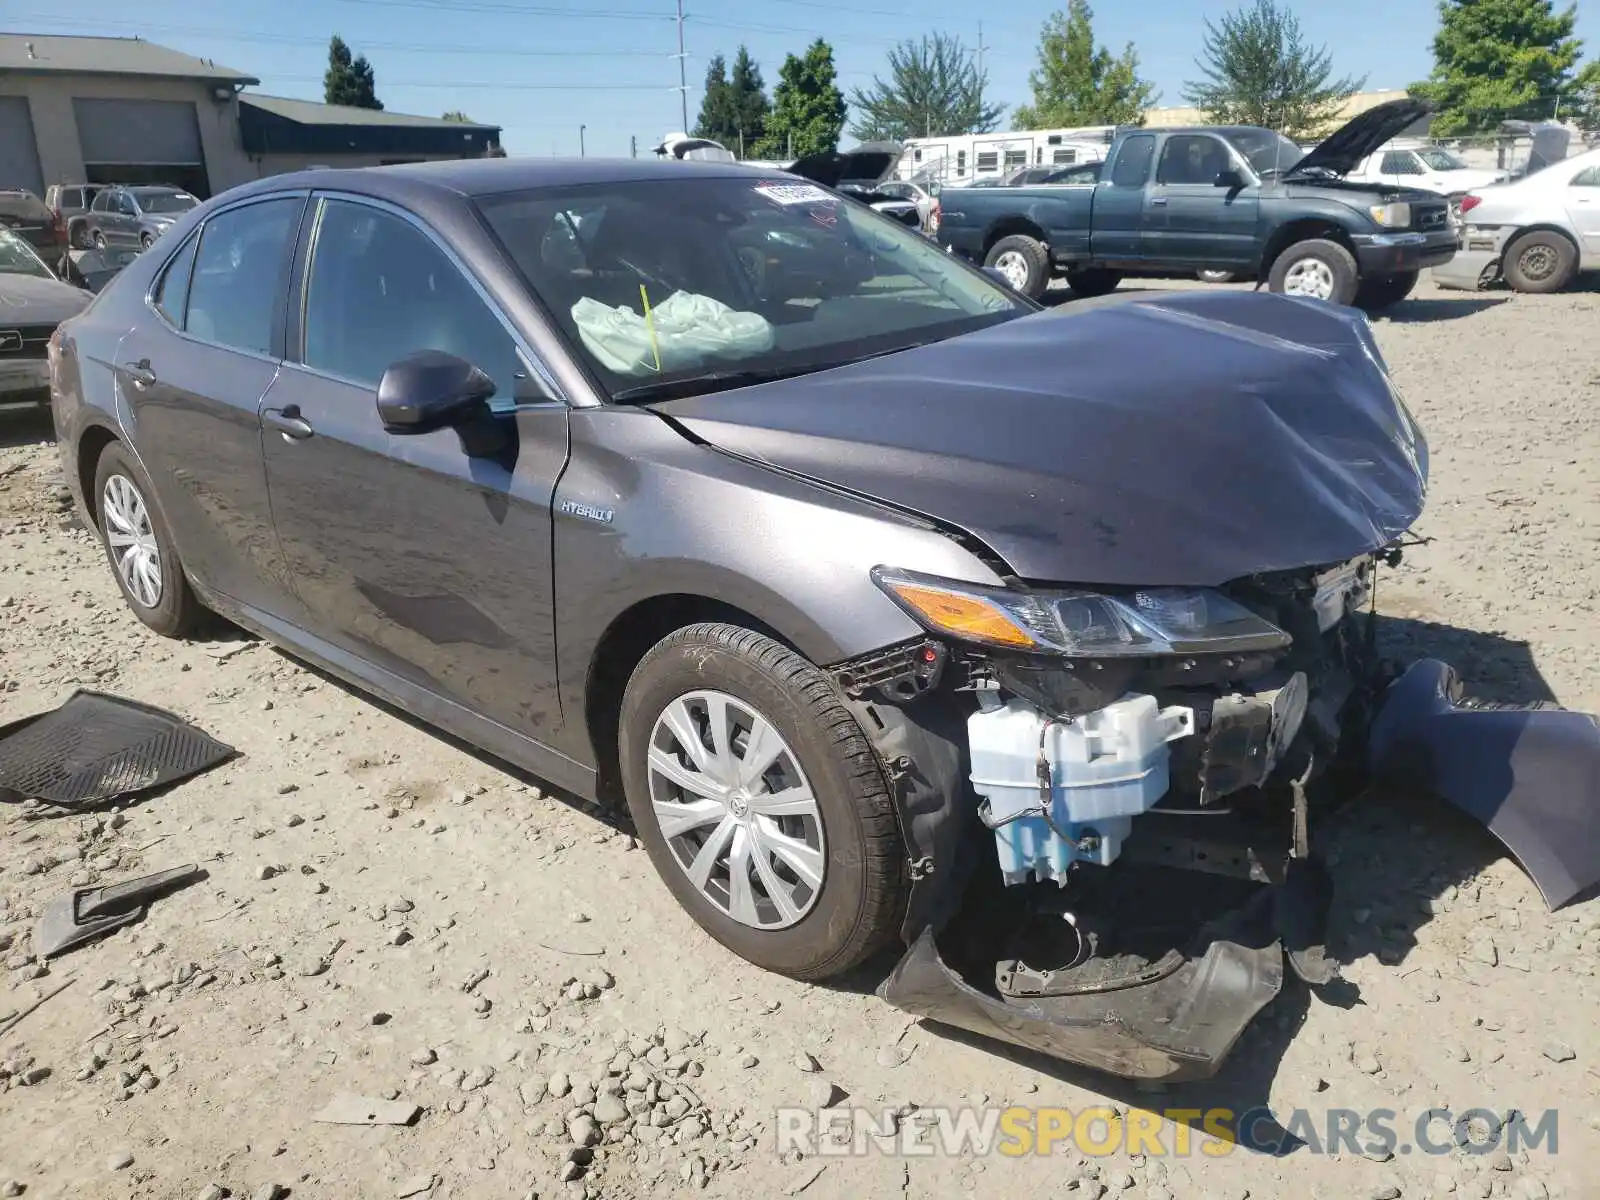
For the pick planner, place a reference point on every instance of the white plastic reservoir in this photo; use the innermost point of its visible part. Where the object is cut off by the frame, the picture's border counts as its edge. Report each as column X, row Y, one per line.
column 1106, row 768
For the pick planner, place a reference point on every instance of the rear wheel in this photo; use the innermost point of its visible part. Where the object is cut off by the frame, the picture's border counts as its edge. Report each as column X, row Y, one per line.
column 1215, row 276
column 1316, row 268
column 139, row 548
column 146, row 241
column 98, row 240
column 1378, row 292
column 760, row 802
column 1024, row 261
column 1540, row 262
column 1096, row 281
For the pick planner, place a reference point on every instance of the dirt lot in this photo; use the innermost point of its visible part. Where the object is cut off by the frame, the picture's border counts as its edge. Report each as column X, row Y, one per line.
column 389, row 915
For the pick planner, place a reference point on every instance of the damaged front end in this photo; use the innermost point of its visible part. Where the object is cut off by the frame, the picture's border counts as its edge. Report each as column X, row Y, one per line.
column 1107, row 799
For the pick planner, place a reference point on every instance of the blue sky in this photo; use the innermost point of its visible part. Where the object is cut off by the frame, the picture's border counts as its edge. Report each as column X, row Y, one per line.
column 542, row 68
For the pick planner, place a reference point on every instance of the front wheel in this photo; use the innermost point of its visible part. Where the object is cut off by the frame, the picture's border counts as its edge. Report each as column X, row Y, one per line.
column 1024, row 261
column 139, row 548
column 1384, row 291
column 98, row 240
column 146, row 241
column 760, row 801
column 1317, row 268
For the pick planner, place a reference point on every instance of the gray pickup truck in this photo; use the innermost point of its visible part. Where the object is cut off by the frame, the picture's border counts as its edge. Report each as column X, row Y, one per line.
column 1221, row 198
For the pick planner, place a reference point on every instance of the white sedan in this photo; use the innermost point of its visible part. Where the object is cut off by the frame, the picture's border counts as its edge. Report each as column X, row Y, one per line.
column 1537, row 233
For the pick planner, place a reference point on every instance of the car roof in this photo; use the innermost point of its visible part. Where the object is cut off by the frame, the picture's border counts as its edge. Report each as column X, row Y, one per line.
column 491, row 176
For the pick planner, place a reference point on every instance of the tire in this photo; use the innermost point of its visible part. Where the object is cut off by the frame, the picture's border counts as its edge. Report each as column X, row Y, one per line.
column 1215, row 276
column 1097, row 281
column 1540, row 262
column 1316, row 260
column 175, row 611
column 860, row 900
column 76, row 239
column 146, row 241
column 1379, row 292
column 97, row 240
column 1023, row 260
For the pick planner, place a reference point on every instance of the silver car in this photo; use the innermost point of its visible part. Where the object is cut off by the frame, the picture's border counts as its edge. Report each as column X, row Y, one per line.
column 1537, row 233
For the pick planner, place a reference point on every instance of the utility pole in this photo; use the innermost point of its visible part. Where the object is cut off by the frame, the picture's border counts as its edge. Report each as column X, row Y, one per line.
column 633, row 146
column 981, row 49
column 582, row 153
column 683, row 75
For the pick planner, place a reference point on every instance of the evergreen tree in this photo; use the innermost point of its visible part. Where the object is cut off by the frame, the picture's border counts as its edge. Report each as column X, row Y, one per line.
column 749, row 103
column 716, row 109
column 1259, row 70
column 1080, row 83
column 455, row 114
column 934, row 89
column 349, row 79
column 1498, row 60
column 807, row 108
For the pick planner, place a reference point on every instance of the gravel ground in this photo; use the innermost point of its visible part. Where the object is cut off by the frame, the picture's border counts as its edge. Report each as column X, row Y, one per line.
column 388, row 915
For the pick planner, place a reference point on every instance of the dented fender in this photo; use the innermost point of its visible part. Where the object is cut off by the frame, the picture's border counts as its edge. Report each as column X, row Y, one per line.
column 1531, row 774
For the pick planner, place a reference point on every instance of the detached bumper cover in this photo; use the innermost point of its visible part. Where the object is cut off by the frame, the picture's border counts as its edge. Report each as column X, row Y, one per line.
column 1531, row 774
column 1176, row 1028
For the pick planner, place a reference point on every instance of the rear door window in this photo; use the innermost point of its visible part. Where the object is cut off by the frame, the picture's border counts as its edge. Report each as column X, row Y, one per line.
column 239, row 273
column 1132, row 169
column 172, row 293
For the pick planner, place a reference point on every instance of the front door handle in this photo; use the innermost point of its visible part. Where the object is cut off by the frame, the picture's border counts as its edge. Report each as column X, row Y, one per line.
column 140, row 375
column 288, row 422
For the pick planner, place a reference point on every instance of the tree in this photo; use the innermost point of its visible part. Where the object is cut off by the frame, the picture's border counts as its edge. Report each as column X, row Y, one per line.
column 748, row 95
column 716, row 109
column 1586, row 98
column 1078, row 83
column 934, row 90
column 455, row 114
column 348, row 79
column 1497, row 60
column 1259, row 70
column 807, row 108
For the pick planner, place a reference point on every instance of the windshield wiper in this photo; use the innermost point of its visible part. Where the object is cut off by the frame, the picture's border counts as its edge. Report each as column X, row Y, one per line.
column 695, row 385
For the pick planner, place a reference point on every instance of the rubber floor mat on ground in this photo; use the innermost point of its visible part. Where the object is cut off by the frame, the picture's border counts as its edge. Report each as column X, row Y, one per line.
column 97, row 747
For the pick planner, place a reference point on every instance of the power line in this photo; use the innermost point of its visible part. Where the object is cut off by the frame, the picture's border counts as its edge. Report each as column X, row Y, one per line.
column 291, row 40
column 495, row 85
column 520, row 10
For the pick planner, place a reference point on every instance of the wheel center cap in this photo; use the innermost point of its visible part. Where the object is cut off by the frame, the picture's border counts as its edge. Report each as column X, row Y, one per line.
column 739, row 805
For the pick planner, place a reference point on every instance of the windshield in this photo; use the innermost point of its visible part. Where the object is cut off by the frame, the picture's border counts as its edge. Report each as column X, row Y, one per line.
column 668, row 288
column 164, row 202
column 1266, row 152
column 1441, row 160
column 18, row 258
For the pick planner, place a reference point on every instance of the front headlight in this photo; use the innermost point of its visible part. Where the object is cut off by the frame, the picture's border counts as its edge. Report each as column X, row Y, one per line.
column 1082, row 624
column 1391, row 216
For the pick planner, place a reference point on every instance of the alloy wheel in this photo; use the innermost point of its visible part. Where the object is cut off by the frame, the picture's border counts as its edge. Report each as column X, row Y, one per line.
column 1014, row 267
column 736, row 810
column 1309, row 277
column 134, row 550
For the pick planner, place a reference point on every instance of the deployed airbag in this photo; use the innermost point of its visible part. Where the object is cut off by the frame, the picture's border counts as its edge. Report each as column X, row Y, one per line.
column 683, row 331
column 1531, row 774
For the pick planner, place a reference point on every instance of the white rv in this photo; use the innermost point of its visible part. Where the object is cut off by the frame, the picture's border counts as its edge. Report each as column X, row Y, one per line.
column 967, row 158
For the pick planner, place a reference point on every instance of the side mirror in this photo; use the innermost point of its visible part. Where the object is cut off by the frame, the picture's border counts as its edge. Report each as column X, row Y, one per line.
column 1230, row 179
column 431, row 390
column 999, row 276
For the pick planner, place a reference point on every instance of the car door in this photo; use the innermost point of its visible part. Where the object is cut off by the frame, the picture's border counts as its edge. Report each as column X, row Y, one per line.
column 409, row 553
column 193, row 372
column 1191, row 220
column 1583, row 206
column 1119, row 201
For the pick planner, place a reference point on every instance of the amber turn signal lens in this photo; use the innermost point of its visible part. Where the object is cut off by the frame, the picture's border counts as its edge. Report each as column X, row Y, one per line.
column 962, row 616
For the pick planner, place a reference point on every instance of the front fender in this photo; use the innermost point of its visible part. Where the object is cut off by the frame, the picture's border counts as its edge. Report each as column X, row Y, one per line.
column 1531, row 774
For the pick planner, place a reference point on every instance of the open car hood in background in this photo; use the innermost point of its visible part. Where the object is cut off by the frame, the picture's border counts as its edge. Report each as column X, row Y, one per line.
column 1263, row 436
column 864, row 167
column 1362, row 135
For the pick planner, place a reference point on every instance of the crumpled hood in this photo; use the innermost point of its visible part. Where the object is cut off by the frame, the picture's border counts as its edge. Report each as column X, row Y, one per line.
column 1189, row 438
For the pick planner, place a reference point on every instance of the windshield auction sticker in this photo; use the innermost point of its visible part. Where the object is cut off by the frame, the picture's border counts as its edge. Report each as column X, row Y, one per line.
column 794, row 193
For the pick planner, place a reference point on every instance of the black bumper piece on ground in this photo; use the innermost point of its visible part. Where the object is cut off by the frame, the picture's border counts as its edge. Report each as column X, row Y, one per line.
column 1180, row 1026
column 1531, row 773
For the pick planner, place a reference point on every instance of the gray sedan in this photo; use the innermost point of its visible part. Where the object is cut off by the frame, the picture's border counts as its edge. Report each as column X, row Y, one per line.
column 890, row 605
column 33, row 302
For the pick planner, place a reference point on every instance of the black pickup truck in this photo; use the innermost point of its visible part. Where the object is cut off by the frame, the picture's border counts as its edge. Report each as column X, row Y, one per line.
column 1218, row 198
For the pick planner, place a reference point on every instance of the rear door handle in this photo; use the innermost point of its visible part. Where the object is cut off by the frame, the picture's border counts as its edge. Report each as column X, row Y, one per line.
column 140, row 375
column 1158, row 199
column 288, row 422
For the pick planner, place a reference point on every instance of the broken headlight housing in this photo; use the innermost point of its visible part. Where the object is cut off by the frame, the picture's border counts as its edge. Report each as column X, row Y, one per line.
column 1081, row 623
